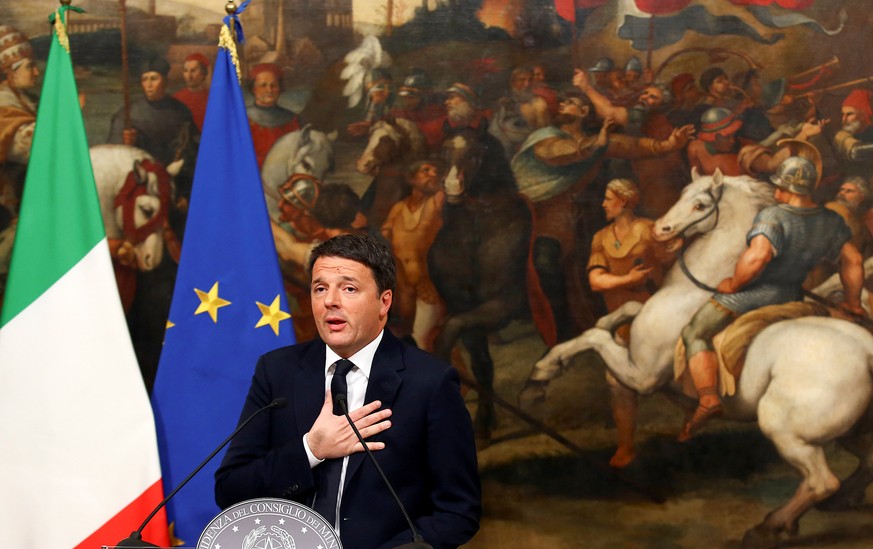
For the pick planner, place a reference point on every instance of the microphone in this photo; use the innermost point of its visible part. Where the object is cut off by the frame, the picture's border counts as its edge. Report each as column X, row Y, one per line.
column 341, row 400
column 135, row 538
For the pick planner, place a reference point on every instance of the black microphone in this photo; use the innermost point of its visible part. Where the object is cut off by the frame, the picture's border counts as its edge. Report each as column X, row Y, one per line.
column 135, row 538
column 417, row 542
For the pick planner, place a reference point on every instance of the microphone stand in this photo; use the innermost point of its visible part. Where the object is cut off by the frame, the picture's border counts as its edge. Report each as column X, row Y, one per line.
column 135, row 538
column 417, row 541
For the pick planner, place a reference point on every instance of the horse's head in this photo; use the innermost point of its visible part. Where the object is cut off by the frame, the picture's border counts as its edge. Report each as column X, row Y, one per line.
column 697, row 210
column 141, row 209
column 463, row 154
column 390, row 139
column 308, row 151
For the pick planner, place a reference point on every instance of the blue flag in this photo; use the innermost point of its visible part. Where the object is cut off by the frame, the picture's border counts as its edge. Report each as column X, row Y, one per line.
column 664, row 30
column 228, row 307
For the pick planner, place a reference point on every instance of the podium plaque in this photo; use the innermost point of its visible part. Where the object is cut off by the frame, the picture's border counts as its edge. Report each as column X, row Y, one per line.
column 268, row 523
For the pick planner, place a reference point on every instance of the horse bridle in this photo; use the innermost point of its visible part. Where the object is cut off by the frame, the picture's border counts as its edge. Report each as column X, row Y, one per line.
column 715, row 210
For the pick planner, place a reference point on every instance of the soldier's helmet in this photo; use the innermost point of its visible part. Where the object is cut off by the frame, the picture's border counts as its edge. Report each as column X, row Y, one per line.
column 718, row 121
column 634, row 65
column 300, row 191
column 414, row 85
column 604, row 64
column 795, row 174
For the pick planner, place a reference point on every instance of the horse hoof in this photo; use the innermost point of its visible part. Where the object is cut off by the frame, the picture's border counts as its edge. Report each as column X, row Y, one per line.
column 760, row 537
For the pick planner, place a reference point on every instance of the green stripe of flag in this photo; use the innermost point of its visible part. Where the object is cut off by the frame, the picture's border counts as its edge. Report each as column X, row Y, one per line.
column 60, row 217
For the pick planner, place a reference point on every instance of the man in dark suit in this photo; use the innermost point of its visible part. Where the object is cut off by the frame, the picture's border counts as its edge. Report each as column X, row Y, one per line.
column 426, row 448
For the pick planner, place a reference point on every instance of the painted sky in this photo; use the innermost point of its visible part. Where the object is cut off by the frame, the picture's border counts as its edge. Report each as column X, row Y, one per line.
column 365, row 11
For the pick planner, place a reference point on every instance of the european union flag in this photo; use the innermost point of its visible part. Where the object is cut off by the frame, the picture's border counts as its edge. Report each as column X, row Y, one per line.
column 228, row 306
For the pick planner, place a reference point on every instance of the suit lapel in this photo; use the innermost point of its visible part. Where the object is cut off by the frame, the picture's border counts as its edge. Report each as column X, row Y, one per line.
column 309, row 387
column 383, row 385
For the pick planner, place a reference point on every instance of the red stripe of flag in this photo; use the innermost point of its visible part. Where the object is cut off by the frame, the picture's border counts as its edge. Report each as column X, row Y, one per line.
column 130, row 518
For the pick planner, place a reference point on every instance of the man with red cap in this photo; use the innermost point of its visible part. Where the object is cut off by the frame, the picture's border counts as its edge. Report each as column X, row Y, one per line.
column 195, row 72
column 267, row 120
column 853, row 144
column 686, row 96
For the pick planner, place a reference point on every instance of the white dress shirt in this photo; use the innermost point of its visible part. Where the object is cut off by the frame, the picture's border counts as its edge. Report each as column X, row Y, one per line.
column 357, row 380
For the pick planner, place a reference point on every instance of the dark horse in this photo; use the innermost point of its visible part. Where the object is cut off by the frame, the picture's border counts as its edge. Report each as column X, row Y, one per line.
column 479, row 258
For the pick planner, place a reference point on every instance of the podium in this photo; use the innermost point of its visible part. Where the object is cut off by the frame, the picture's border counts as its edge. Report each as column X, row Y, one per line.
column 265, row 523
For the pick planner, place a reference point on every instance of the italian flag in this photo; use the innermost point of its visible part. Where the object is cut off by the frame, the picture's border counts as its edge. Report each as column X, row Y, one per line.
column 80, row 463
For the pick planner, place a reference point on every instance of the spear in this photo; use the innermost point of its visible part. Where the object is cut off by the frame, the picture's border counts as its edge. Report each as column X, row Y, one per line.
column 125, row 68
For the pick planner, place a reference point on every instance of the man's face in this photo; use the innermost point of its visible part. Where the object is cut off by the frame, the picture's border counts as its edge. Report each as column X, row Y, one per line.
column 690, row 93
column 426, row 179
column 613, row 205
column 724, row 143
column 632, row 77
column 380, row 94
column 521, row 81
column 651, row 97
column 782, row 196
column 410, row 101
column 458, row 109
column 348, row 309
column 850, row 195
column 720, row 86
column 853, row 122
column 266, row 89
column 194, row 74
column 24, row 77
column 570, row 111
column 153, row 85
column 539, row 75
column 616, row 80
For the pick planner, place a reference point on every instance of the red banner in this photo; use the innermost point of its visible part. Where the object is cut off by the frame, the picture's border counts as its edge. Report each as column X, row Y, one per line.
column 788, row 4
column 566, row 9
column 662, row 7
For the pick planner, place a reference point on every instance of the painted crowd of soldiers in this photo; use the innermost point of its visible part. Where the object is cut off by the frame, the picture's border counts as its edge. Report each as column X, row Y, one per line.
column 595, row 158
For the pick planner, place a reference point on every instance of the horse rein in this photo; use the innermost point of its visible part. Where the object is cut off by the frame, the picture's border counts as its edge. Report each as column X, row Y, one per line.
column 685, row 270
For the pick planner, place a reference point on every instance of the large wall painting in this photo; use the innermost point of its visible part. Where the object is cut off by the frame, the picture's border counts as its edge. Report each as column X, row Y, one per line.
column 530, row 162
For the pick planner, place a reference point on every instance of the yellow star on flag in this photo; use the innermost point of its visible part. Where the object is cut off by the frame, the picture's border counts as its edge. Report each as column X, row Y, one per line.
column 210, row 302
column 271, row 315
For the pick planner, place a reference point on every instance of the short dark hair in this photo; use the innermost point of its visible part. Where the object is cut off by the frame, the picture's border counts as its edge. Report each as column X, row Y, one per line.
column 709, row 76
column 365, row 249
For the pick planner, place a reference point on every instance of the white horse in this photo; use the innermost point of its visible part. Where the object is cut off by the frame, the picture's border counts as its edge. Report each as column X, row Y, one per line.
column 807, row 381
column 113, row 166
column 305, row 151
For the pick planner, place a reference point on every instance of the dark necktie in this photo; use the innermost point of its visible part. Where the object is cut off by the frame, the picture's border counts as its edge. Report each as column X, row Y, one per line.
column 331, row 470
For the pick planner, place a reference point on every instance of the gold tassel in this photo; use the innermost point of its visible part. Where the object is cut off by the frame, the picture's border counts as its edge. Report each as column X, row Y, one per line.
column 61, row 31
column 226, row 41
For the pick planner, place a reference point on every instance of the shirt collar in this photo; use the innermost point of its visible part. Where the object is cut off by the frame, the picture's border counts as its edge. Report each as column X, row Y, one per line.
column 363, row 359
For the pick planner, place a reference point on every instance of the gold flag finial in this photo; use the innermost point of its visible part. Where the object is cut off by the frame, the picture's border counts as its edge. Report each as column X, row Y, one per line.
column 61, row 29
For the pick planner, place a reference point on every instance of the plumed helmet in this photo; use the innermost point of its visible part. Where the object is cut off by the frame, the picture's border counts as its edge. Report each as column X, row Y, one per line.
column 301, row 191
column 634, row 65
column 604, row 64
column 14, row 47
column 795, row 174
column 378, row 78
column 718, row 121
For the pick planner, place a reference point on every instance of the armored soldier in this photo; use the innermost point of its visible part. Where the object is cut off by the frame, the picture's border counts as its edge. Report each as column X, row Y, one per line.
column 786, row 241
